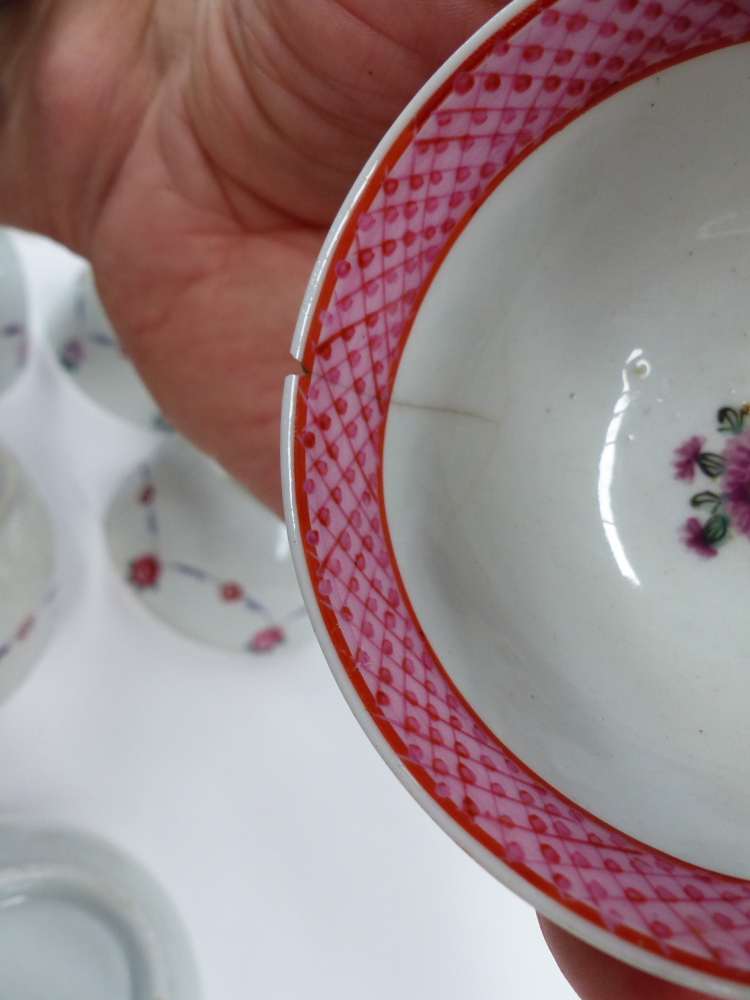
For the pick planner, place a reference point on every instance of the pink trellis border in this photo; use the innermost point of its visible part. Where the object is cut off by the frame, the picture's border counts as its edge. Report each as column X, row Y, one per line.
column 532, row 77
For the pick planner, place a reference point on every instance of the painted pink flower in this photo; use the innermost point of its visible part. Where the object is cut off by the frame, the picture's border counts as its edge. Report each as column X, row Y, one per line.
column 267, row 639
column 231, row 592
column 737, row 481
column 692, row 536
column 145, row 572
column 686, row 457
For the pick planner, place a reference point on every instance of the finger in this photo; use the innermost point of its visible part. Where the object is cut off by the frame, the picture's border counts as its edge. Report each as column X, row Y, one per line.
column 596, row 976
column 308, row 88
column 213, row 347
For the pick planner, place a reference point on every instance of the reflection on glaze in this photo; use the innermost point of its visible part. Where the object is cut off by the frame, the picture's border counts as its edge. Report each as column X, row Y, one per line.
column 607, row 467
column 727, row 504
column 729, row 224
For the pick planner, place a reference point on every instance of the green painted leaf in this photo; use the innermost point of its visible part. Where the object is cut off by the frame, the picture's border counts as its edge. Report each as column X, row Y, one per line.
column 706, row 499
column 713, row 465
column 715, row 529
column 730, row 420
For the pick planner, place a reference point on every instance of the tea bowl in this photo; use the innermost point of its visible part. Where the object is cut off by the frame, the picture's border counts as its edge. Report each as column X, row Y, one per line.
column 518, row 467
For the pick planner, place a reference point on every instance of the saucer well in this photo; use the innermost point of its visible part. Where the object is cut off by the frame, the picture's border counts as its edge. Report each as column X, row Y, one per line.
column 81, row 919
column 205, row 555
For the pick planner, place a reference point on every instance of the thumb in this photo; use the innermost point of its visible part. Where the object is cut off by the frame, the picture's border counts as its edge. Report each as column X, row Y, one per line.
column 596, row 976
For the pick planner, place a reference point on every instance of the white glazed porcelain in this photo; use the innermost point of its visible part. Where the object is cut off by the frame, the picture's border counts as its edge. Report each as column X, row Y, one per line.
column 603, row 334
column 27, row 573
column 519, row 467
column 81, row 919
column 13, row 328
column 86, row 345
column 205, row 556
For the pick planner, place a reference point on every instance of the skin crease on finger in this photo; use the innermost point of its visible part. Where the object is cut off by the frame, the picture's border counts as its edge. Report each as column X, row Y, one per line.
column 196, row 152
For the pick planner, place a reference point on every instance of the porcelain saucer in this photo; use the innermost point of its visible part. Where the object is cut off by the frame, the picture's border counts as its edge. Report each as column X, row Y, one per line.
column 81, row 919
column 205, row 556
column 519, row 467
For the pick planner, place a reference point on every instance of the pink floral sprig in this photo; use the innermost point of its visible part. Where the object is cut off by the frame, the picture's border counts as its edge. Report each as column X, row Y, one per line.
column 737, row 481
column 728, row 500
column 693, row 537
column 686, row 458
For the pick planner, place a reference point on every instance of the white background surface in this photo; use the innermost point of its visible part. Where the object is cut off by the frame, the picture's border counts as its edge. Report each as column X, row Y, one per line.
column 300, row 866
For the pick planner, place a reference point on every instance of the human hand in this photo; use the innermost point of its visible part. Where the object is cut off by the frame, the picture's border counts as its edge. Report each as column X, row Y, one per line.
column 196, row 152
column 595, row 976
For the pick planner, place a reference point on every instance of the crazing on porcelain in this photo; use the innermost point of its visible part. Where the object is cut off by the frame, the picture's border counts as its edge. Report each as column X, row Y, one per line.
column 147, row 570
column 539, row 71
column 726, row 504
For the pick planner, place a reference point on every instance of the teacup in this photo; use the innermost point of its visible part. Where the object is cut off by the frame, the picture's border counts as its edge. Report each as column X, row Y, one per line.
column 519, row 467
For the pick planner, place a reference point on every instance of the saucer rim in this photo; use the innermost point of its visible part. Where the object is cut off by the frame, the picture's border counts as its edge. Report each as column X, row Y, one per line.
column 32, row 848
